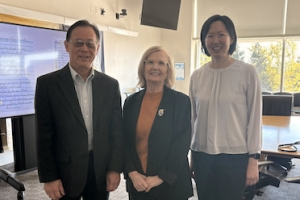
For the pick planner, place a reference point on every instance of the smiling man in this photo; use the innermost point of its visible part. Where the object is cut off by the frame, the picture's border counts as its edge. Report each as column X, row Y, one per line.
column 80, row 141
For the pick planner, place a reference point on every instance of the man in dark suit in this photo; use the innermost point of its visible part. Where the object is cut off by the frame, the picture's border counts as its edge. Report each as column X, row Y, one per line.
column 80, row 142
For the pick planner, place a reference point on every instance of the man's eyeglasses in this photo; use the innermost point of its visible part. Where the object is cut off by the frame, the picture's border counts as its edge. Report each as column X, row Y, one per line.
column 151, row 63
column 79, row 43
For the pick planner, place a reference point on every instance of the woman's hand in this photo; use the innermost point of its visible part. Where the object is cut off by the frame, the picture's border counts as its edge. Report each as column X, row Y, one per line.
column 192, row 167
column 138, row 180
column 153, row 181
column 252, row 175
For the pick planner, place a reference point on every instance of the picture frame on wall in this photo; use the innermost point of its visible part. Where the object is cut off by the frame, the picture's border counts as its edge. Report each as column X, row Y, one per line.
column 179, row 71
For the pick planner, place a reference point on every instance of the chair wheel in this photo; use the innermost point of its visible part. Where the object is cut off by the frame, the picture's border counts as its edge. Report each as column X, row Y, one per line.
column 259, row 193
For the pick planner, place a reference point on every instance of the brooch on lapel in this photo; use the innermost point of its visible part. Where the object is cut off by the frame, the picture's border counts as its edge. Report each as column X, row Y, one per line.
column 160, row 112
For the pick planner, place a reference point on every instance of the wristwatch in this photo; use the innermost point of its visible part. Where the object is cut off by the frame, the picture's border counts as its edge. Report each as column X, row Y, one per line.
column 256, row 156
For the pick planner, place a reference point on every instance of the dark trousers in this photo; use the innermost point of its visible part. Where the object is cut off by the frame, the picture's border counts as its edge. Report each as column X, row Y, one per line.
column 90, row 191
column 220, row 177
column 144, row 196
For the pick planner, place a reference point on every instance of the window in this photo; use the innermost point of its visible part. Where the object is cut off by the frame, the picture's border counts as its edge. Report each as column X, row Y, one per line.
column 266, row 57
column 291, row 76
column 274, row 47
column 277, row 72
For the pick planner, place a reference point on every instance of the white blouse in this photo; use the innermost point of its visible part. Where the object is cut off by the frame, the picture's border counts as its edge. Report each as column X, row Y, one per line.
column 226, row 109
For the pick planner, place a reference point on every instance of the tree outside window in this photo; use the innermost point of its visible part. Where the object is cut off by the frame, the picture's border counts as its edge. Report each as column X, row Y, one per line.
column 266, row 57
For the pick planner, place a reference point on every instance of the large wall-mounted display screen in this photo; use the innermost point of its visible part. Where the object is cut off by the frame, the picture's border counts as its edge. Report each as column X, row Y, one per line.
column 161, row 13
column 25, row 54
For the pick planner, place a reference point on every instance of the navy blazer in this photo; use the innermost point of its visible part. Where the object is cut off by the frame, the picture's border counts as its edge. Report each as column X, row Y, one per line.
column 62, row 139
column 168, row 145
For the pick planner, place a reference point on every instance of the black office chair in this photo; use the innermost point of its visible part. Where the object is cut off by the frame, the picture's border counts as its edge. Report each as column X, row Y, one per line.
column 296, row 99
column 8, row 177
column 264, row 180
column 282, row 93
column 283, row 163
column 292, row 146
column 293, row 179
column 280, row 105
column 266, row 93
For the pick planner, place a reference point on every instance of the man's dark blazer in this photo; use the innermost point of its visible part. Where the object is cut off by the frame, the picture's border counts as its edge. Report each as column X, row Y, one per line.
column 62, row 139
column 168, row 145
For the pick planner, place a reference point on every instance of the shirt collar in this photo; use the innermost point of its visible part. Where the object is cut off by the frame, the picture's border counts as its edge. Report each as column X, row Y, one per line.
column 74, row 74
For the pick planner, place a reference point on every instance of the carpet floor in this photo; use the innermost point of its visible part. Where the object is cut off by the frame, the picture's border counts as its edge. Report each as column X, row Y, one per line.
column 34, row 190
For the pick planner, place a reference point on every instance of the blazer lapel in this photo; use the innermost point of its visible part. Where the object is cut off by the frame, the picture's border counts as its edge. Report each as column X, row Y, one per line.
column 164, row 110
column 98, row 95
column 66, row 84
column 136, row 106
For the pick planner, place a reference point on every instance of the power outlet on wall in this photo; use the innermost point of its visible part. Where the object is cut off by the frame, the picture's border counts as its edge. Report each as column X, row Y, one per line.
column 96, row 10
column 92, row 9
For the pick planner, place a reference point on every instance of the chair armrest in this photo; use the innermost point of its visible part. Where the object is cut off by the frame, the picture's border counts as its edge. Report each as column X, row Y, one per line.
column 7, row 177
column 296, row 111
column 265, row 163
column 293, row 179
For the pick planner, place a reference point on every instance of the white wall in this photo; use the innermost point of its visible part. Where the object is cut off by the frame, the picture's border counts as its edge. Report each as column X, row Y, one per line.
column 122, row 53
column 179, row 42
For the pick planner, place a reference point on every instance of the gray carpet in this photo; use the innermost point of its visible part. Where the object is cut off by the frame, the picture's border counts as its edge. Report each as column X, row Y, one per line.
column 34, row 190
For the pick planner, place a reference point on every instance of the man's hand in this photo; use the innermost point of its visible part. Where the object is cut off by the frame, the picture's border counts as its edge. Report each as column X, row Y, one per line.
column 112, row 181
column 138, row 181
column 252, row 175
column 54, row 189
column 153, row 181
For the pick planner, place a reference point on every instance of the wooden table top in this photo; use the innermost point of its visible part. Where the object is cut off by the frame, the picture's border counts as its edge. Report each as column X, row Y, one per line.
column 280, row 130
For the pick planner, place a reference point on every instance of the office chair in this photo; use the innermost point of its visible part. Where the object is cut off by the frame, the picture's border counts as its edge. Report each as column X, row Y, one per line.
column 7, row 177
column 284, row 163
column 282, row 93
column 264, row 180
column 293, row 179
column 297, row 99
column 291, row 148
column 280, row 105
column 266, row 93
column 296, row 103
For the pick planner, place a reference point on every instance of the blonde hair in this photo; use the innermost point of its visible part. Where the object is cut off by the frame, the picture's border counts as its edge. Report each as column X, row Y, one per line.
column 169, row 81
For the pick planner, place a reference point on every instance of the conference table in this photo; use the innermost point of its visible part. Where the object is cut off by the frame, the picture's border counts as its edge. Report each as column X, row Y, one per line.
column 278, row 130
